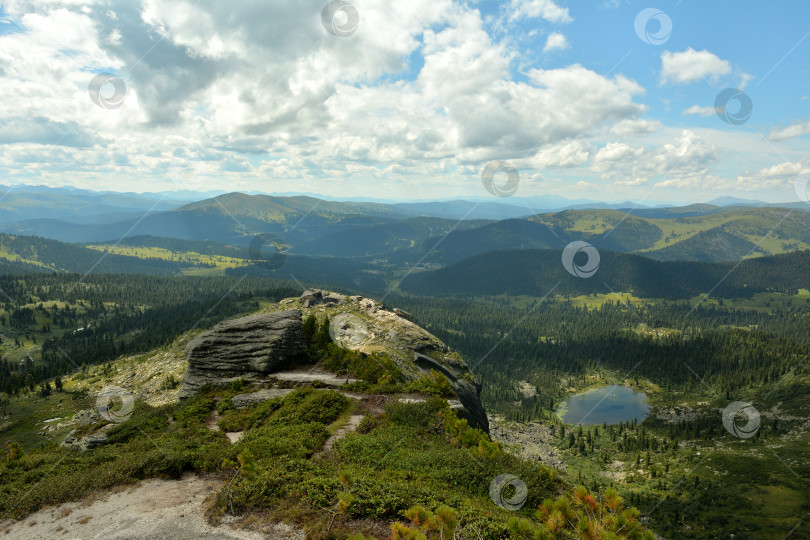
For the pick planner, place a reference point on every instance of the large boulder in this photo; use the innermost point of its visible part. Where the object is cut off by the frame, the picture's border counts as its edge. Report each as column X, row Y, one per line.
column 314, row 297
column 249, row 348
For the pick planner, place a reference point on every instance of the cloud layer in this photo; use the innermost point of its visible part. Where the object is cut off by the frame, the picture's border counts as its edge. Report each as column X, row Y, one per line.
column 241, row 96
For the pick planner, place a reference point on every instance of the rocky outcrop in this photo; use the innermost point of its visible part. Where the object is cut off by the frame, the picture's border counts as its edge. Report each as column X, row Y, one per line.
column 258, row 347
column 404, row 314
column 366, row 326
column 468, row 390
column 249, row 348
column 314, row 297
column 534, row 441
column 87, row 442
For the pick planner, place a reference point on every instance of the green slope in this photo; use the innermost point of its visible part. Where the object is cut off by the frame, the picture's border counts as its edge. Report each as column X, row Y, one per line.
column 23, row 254
column 726, row 234
column 537, row 272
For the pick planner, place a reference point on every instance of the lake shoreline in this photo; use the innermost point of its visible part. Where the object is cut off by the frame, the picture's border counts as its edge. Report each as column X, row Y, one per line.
column 609, row 404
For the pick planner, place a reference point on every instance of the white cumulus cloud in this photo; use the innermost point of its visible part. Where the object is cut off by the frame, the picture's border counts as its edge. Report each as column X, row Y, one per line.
column 555, row 41
column 539, row 9
column 699, row 110
column 690, row 66
column 565, row 154
column 687, row 156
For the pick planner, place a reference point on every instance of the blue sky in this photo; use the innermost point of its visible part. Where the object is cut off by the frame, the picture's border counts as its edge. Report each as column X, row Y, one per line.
column 413, row 103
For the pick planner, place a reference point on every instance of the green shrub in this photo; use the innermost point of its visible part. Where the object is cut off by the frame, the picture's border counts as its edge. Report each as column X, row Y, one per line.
column 225, row 405
column 424, row 523
column 420, row 415
column 240, row 420
column 291, row 440
column 144, row 419
column 302, row 405
column 310, row 405
column 321, row 338
column 433, row 383
column 310, row 326
column 461, row 435
column 194, row 410
column 368, row 424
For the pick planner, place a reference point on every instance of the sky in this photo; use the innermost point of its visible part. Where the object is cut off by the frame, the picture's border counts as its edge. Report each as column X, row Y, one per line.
column 675, row 101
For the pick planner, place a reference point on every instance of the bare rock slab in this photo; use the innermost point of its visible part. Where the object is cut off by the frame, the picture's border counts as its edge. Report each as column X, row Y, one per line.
column 249, row 348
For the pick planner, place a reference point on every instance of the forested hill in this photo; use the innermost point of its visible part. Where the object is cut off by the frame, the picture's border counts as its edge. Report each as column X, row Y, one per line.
column 537, row 272
column 26, row 254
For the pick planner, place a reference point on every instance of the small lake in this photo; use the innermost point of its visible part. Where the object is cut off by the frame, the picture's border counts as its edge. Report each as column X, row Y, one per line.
column 609, row 404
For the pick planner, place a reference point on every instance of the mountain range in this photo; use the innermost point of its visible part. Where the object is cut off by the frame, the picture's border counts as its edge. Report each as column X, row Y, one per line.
column 402, row 234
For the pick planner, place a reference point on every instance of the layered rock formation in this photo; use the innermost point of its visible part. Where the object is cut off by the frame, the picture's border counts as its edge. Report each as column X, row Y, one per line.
column 249, row 348
column 258, row 346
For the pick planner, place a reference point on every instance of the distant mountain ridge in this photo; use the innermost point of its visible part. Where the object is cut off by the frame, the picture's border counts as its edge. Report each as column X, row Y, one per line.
column 407, row 233
column 18, row 203
column 735, row 201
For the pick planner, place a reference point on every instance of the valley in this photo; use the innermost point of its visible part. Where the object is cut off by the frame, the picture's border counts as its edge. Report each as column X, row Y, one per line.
column 692, row 334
